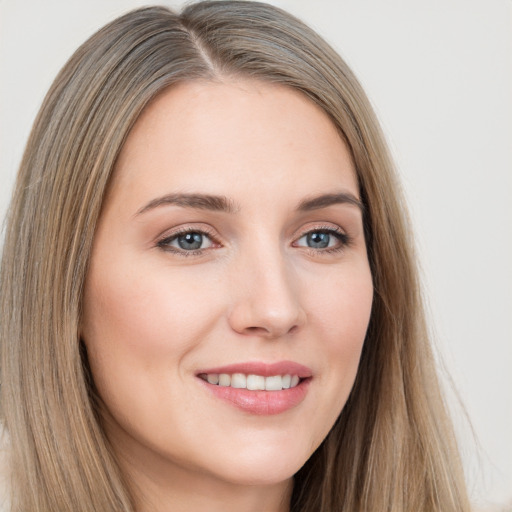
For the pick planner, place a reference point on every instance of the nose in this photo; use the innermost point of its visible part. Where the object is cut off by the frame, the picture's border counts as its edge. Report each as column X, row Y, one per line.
column 266, row 297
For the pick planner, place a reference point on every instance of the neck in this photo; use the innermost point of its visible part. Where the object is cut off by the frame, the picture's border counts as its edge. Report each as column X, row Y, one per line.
column 188, row 491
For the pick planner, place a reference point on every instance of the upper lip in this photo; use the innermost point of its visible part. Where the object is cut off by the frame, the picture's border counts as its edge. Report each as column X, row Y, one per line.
column 262, row 368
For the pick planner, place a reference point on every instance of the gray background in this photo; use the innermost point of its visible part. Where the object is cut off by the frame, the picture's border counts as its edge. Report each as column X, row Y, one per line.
column 440, row 76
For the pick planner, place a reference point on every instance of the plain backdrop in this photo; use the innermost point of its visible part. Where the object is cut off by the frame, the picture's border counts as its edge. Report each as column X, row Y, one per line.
column 439, row 74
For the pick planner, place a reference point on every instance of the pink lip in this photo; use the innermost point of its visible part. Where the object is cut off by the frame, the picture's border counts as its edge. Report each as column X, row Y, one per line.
column 261, row 402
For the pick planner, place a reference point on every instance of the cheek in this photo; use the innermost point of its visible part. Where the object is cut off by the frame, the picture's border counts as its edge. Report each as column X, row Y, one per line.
column 342, row 315
column 344, row 307
column 140, row 311
column 138, row 327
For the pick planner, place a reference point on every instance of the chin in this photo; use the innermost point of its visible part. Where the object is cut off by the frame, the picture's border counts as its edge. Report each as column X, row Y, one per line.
column 262, row 467
column 248, row 475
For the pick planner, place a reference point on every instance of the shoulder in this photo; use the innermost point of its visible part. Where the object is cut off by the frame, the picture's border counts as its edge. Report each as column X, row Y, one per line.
column 4, row 470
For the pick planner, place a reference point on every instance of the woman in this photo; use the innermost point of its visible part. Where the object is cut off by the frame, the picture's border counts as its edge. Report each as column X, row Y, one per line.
column 231, row 314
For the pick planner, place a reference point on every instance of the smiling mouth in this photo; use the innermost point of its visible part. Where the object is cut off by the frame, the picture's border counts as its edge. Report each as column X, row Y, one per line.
column 252, row 382
column 258, row 388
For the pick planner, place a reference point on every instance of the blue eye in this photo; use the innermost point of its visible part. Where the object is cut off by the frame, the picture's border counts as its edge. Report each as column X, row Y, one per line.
column 186, row 242
column 323, row 239
column 190, row 241
column 318, row 240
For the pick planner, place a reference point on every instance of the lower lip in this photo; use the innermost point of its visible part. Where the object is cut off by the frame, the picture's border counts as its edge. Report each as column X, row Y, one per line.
column 261, row 403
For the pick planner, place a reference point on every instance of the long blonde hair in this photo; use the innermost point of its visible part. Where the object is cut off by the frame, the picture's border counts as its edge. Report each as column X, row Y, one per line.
column 392, row 447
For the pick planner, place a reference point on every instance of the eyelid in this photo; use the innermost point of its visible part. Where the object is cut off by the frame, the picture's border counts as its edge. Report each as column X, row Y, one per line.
column 322, row 226
column 343, row 237
column 163, row 241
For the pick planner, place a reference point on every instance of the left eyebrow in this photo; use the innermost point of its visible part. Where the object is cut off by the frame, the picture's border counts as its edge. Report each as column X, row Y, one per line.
column 325, row 200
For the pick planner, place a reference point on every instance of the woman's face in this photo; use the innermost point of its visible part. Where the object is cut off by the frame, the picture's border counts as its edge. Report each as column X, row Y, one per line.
column 229, row 256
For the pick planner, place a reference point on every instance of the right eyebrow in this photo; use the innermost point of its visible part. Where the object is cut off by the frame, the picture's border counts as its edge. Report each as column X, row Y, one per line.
column 326, row 200
column 198, row 201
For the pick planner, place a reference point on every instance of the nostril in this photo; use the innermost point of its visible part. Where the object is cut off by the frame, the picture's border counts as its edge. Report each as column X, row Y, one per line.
column 270, row 332
column 257, row 330
column 293, row 329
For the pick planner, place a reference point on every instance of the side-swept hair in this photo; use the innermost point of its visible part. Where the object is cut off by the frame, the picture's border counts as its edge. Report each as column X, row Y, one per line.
column 391, row 449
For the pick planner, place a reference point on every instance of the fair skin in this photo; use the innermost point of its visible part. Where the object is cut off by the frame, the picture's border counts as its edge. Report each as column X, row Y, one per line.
column 270, row 277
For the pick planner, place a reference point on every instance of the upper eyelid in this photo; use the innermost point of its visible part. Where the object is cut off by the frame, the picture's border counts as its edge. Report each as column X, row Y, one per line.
column 164, row 242
column 175, row 232
column 340, row 233
column 344, row 236
column 334, row 228
column 210, row 232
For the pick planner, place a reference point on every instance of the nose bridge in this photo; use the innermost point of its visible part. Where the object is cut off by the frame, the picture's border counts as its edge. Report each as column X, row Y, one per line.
column 266, row 298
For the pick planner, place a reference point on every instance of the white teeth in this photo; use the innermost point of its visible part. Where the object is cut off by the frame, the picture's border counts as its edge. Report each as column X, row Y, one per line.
column 224, row 380
column 238, row 380
column 253, row 382
column 274, row 383
column 213, row 378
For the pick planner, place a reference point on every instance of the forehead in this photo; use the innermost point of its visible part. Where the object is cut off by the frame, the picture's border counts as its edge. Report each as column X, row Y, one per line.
column 215, row 134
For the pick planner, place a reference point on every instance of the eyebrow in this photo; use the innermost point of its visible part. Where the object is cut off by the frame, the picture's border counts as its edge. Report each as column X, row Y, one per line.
column 326, row 200
column 223, row 204
column 197, row 201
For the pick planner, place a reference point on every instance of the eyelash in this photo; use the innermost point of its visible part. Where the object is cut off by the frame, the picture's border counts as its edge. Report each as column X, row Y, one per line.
column 343, row 239
column 165, row 242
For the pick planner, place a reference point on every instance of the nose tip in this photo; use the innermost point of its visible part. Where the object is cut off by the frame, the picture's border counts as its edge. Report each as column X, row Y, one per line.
column 267, row 305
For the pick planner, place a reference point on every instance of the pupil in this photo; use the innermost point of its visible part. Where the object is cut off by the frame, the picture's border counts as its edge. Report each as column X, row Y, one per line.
column 190, row 241
column 318, row 240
